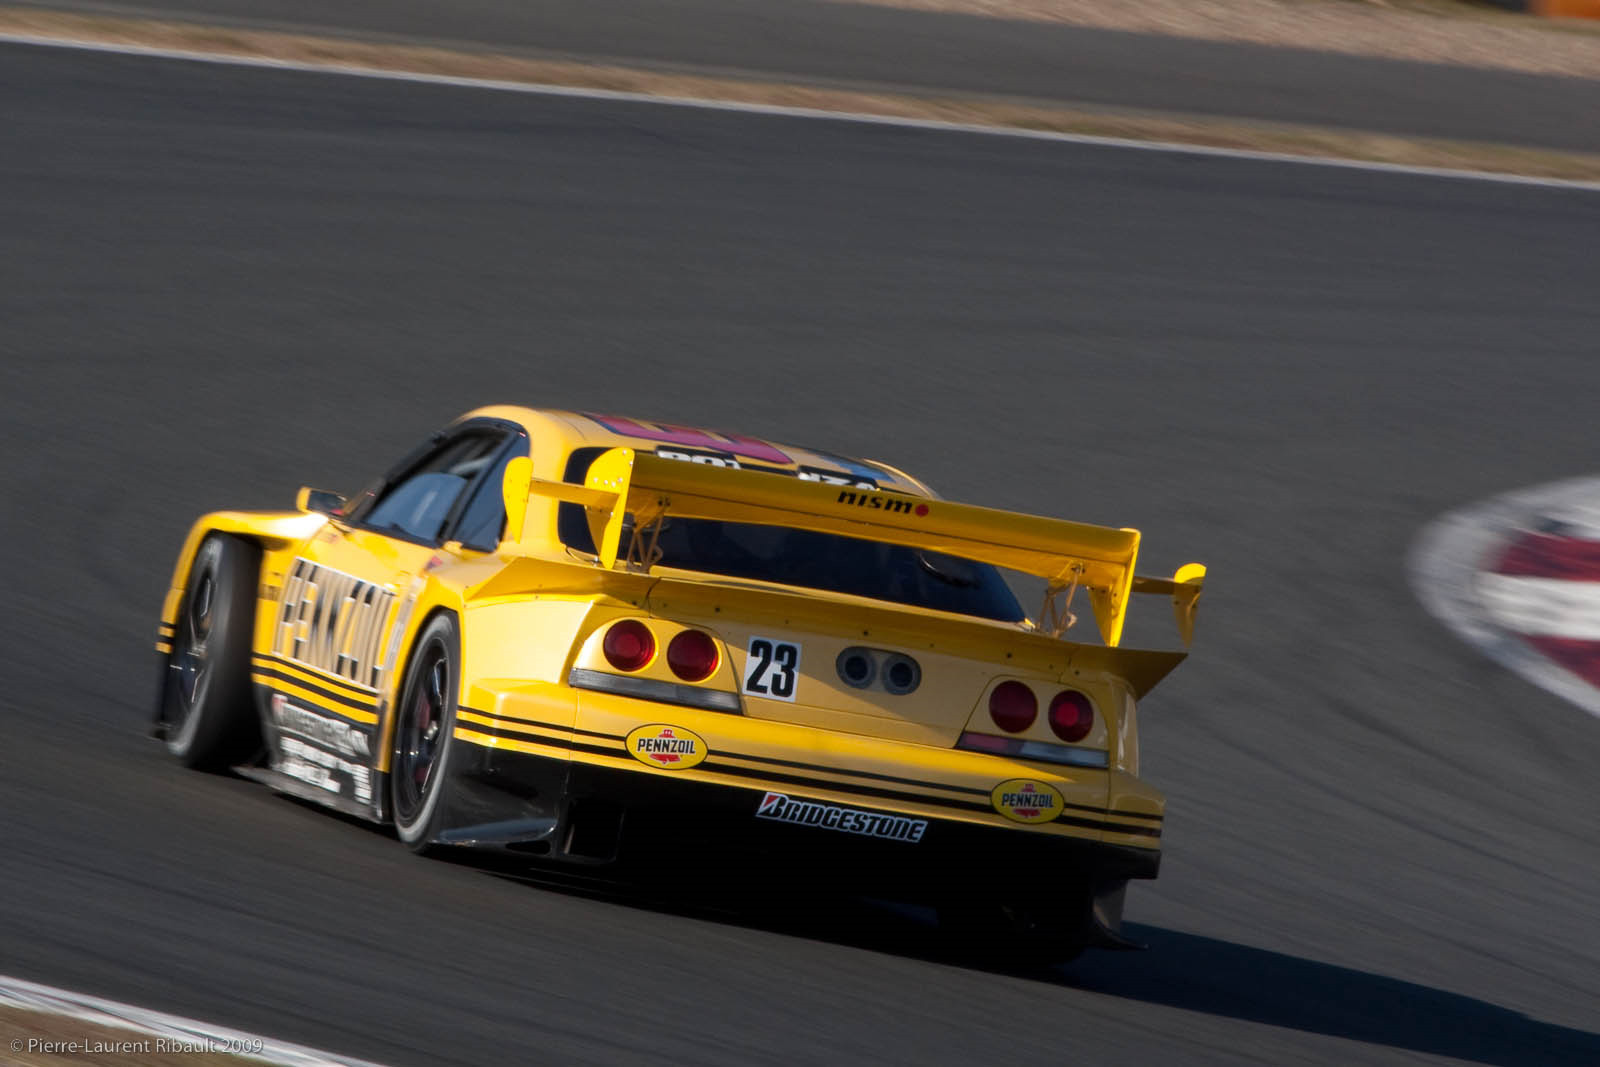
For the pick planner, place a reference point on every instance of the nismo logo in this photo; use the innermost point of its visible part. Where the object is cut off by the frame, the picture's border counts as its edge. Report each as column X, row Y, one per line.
column 333, row 622
column 895, row 505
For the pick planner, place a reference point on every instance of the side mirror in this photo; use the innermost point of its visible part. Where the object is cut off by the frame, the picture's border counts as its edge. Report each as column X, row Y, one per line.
column 319, row 500
column 514, row 487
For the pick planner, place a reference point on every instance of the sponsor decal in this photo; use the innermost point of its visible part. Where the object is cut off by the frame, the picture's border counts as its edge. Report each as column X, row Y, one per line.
column 706, row 459
column 312, row 747
column 827, row 477
column 728, row 461
column 867, row 474
column 330, row 733
column 333, row 622
column 781, row 808
column 1024, row 800
column 671, row 748
column 322, row 769
column 893, row 503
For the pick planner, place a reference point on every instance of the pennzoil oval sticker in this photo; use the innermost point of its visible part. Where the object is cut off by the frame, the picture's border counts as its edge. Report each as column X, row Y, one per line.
column 672, row 748
column 1024, row 800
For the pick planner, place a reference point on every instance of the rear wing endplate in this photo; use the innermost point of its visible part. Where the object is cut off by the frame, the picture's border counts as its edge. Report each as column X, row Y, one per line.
column 1184, row 589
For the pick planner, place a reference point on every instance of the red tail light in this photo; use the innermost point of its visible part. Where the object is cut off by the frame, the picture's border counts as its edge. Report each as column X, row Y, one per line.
column 629, row 645
column 1071, row 716
column 1012, row 707
column 693, row 656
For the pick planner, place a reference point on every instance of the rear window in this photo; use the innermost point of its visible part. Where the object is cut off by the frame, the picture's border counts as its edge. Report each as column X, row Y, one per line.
column 830, row 562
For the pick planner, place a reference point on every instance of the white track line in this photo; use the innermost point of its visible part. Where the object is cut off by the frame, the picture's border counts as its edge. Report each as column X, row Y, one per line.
column 1446, row 573
column 17, row 993
column 540, row 89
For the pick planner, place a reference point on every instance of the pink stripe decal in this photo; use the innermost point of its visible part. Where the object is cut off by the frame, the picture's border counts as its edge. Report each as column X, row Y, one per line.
column 689, row 437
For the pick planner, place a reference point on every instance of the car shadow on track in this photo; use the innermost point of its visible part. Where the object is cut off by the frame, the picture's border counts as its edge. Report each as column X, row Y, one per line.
column 1217, row 977
column 1181, row 970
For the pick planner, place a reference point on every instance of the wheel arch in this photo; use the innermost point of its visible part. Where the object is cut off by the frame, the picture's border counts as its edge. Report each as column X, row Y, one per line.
column 243, row 629
column 394, row 685
column 270, row 531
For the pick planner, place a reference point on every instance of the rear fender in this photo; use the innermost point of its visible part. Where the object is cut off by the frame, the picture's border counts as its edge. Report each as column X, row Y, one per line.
column 418, row 603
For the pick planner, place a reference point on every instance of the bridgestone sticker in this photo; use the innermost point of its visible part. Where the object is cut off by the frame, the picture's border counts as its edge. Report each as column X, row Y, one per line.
column 781, row 808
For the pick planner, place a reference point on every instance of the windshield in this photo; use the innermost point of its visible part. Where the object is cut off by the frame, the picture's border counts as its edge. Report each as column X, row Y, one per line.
column 812, row 560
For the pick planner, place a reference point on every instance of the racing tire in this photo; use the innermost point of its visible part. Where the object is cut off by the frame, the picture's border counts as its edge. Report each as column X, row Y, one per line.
column 210, row 718
column 995, row 931
column 425, row 719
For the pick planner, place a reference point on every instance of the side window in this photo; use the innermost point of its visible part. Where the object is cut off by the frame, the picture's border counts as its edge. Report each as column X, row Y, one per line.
column 484, row 520
column 417, row 505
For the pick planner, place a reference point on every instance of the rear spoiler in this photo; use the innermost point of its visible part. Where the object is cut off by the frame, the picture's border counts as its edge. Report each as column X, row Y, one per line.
column 1068, row 555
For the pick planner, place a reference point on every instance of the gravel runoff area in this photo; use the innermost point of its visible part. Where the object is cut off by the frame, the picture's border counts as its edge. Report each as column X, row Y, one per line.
column 340, row 53
column 1430, row 31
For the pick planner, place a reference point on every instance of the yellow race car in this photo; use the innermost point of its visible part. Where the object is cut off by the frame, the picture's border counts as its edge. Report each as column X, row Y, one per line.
column 606, row 641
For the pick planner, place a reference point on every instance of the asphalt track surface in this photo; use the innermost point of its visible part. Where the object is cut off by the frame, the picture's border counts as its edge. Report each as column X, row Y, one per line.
column 865, row 46
column 221, row 283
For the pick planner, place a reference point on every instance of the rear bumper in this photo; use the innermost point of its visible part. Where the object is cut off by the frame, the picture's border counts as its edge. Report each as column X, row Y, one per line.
column 671, row 820
column 594, row 813
column 590, row 777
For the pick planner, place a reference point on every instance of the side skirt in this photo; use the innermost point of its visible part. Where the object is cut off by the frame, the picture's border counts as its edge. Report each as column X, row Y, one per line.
column 310, row 748
column 282, row 783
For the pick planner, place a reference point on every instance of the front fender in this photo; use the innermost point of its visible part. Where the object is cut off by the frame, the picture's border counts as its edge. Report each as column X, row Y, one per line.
column 273, row 530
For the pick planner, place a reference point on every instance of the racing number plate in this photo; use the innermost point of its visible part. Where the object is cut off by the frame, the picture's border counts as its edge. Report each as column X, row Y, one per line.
column 771, row 668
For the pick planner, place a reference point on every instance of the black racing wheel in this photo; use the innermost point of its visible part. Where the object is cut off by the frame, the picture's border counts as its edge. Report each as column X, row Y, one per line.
column 210, row 721
column 424, row 721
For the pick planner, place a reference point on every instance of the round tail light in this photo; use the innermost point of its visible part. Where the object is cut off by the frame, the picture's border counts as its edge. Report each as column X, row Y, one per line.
column 693, row 656
column 1012, row 707
column 1071, row 715
column 629, row 645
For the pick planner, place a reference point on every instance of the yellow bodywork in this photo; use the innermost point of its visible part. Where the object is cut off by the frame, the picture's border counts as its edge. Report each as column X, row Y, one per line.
column 532, row 611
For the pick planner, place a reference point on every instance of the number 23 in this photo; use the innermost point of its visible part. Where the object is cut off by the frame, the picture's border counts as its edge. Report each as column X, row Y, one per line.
column 771, row 668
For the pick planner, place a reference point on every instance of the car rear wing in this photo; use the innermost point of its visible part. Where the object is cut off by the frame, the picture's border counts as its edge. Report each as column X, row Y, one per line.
column 1068, row 555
